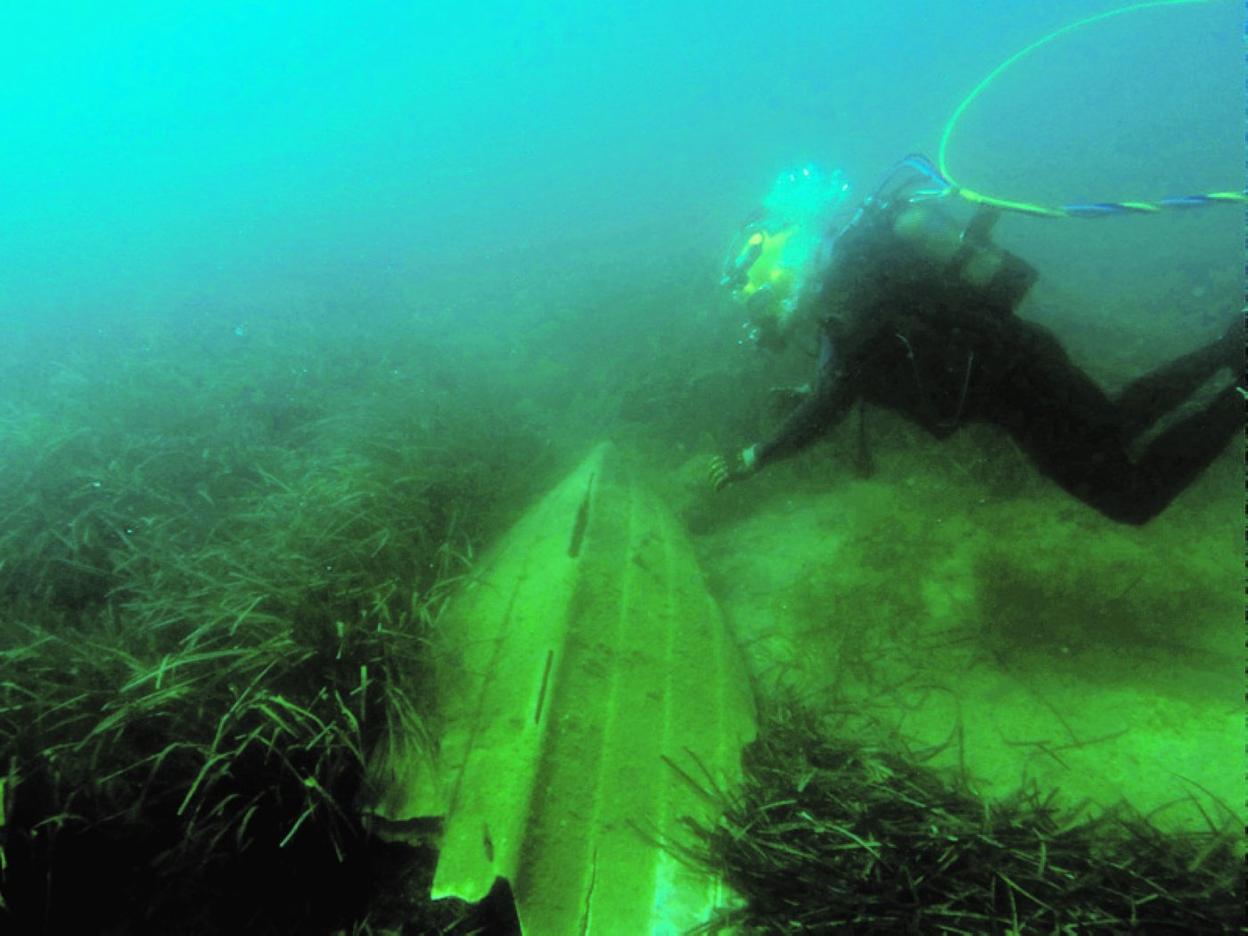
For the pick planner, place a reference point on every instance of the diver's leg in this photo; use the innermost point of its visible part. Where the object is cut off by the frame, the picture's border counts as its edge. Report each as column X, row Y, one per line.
column 1175, row 459
column 1089, row 458
column 1158, row 392
column 1075, row 434
column 1061, row 419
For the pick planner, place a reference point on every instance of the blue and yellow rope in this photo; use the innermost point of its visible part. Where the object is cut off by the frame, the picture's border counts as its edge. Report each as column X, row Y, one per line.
column 1100, row 209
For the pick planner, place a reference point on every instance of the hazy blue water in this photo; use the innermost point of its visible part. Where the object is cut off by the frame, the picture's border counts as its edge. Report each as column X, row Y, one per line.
column 156, row 154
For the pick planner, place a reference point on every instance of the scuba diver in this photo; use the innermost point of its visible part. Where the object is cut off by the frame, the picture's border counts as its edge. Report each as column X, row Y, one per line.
column 916, row 313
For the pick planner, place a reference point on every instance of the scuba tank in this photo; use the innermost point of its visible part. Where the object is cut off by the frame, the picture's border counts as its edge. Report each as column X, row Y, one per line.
column 967, row 253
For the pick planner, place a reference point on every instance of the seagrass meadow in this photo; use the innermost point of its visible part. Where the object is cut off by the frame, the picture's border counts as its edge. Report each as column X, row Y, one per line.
column 223, row 571
column 217, row 582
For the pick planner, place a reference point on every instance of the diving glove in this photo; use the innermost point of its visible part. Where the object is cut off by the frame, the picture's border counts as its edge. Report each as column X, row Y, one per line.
column 723, row 471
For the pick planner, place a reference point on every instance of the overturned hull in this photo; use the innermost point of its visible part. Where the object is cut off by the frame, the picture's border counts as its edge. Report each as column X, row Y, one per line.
column 587, row 687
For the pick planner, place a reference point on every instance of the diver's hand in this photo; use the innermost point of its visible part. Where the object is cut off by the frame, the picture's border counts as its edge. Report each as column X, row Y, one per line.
column 717, row 472
column 723, row 471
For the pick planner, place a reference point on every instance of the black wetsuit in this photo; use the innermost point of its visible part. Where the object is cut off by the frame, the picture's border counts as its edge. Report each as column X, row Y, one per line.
column 908, row 332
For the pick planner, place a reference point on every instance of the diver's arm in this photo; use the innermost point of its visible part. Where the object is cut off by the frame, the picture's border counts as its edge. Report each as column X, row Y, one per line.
column 815, row 415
